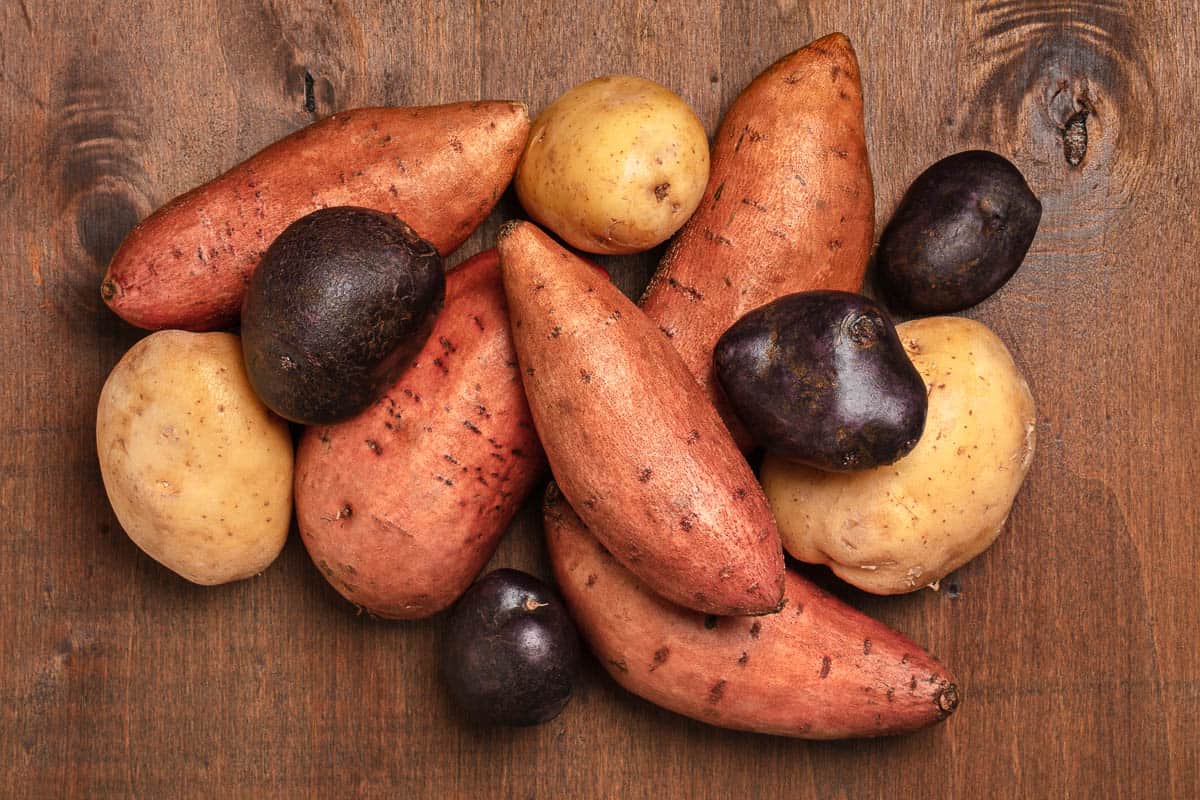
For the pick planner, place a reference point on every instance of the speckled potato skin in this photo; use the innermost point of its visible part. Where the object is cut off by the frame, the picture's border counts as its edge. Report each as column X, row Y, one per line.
column 898, row 528
column 615, row 165
column 198, row 470
column 814, row 669
column 401, row 506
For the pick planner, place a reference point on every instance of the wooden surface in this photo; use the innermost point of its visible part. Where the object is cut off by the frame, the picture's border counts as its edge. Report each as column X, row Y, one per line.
column 1074, row 636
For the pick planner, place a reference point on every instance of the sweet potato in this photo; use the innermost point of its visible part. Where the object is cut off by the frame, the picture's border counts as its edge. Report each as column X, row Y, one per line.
column 401, row 506
column 441, row 169
column 816, row 669
column 632, row 440
column 789, row 207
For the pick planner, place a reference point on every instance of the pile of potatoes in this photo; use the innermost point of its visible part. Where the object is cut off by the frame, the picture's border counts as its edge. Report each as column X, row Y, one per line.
column 429, row 403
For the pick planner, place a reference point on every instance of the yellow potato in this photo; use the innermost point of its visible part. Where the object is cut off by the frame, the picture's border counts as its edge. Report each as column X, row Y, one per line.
column 615, row 165
column 898, row 528
column 198, row 470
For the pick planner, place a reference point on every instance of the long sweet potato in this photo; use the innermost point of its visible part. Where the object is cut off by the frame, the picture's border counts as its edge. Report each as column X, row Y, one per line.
column 401, row 506
column 632, row 441
column 789, row 207
column 439, row 168
column 816, row 669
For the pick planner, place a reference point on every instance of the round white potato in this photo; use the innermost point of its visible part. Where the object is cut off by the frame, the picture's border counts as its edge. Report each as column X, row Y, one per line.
column 198, row 470
column 615, row 165
column 898, row 528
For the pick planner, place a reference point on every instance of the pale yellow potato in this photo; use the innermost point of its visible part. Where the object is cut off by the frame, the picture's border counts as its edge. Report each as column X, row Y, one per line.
column 897, row 528
column 614, row 165
column 198, row 470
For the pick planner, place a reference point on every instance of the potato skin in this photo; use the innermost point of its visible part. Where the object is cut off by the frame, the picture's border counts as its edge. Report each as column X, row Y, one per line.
column 614, row 165
column 198, row 470
column 441, row 169
column 401, row 506
column 898, row 528
column 789, row 207
column 816, row 669
column 634, row 445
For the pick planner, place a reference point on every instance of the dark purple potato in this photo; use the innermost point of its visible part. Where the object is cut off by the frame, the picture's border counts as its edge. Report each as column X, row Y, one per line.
column 959, row 234
column 822, row 379
column 510, row 652
column 341, row 302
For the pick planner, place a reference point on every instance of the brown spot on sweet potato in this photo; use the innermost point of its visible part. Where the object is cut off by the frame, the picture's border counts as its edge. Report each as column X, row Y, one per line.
column 693, row 437
column 585, row 376
column 450, row 458
column 716, row 237
column 478, row 322
column 444, row 479
column 826, row 665
column 645, row 475
column 687, row 522
column 755, row 629
column 447, row 345
column 619, row 663
column 912, row 684
column 835, row 245
column 471, row 427
column 891, row 694
column 710, row 622
column 591, row 581
column 739, row 494
column 866, row 647
column 660, row 657
column 660, row 191
column 374, row 447
column 716, row 692
column 670, row 334
column 745, row 659
column 555, row 332
column 456, row 145
column 690, row 292
column 904, row 659
column 719, row 191
column 529, row 370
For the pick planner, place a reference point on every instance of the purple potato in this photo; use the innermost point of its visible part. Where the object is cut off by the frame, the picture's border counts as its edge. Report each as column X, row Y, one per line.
column 821, row 378
column 341, row 302
column 511, row 652
column 959, row 234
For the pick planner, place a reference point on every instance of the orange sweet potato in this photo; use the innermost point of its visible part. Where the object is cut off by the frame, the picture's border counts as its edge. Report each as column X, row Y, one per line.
column 816, row 669
column 789, row 207
column 439, row 168
column 401, row 506
column 632, row 441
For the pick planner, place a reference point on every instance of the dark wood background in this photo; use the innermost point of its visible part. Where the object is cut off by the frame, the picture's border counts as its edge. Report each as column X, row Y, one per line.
column 1074, row 637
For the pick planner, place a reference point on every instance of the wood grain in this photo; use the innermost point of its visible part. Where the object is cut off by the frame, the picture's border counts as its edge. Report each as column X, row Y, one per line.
column 1073, row 636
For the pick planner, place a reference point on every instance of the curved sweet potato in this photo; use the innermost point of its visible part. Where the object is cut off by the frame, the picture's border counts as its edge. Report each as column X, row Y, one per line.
column 439, row 168
column 401, row 506
column 632, row 440
column 789, row 207
column 817, row 669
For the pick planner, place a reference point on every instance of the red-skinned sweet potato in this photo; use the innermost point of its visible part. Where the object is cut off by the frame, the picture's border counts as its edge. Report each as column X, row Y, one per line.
column 632, row 440
column 403, row 505
column 816, row 669
column 789, row 207
column 440, row 169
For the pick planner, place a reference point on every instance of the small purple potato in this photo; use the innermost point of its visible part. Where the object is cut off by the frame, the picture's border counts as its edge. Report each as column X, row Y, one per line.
column 820, row 378
column 959, row 234
column 511, row 652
